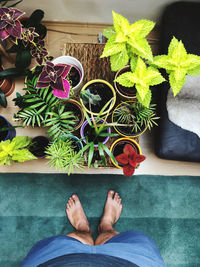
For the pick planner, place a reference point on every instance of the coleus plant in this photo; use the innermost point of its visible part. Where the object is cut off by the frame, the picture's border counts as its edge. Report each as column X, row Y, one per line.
column 55, row 77
column 16, row 150
column 127, row 44
column 129, row 159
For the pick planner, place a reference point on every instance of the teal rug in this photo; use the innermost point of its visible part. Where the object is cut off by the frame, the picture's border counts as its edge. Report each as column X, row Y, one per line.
column 167, row 208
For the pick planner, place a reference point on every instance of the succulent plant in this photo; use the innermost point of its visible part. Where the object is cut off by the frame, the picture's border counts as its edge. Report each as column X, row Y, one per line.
column 54, row 76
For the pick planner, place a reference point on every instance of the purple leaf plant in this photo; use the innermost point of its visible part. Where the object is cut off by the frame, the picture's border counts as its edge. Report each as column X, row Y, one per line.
column 39, row 51
column 55, row 77
column 9, row 23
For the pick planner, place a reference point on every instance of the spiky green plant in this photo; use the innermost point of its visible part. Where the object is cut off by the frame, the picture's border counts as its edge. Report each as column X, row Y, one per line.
column 60, row 121
column 136, row 116
column 35, row 104
column 61, row 154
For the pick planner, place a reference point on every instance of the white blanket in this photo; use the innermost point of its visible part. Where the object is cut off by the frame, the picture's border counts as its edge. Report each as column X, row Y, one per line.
column 184, row 109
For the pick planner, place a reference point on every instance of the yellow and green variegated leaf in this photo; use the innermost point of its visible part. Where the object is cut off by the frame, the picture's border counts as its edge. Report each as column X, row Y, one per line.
column 22, row 155
column 191, row 62
column 164, row 62
column 140, row 69
column 21, row 141
column 5, row 161
column 179, row 54
column 118, row 61
column 8, row 148
column 3, row 155
column 133, row 63
column 195, row 71
column 146, row 101
column 120, row 23
column 120, row 38
column 176, row 81
column 112, row 48
column 141, row 48
column 124, row 79
column 153, row 77
column 109, row 32
column 4, row 143
column 141, row 28
column 173, row 44
column 142, row 90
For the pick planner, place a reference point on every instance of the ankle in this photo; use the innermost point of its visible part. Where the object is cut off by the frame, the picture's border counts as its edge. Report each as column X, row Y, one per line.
column 105, row 227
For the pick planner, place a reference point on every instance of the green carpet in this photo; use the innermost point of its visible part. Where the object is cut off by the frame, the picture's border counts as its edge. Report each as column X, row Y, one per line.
column 167, row 208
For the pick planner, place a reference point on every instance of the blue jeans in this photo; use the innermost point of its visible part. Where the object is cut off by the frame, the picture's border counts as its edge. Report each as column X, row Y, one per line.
column 133, row 246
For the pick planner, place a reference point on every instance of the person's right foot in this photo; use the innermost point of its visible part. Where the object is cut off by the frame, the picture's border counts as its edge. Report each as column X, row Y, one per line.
column 76, row 214
column 112, row 212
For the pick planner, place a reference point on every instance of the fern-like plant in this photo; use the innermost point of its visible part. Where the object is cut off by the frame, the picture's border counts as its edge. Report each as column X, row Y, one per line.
column 62, row 155
column 60, row 121
column 136, row 116
column 35, row 104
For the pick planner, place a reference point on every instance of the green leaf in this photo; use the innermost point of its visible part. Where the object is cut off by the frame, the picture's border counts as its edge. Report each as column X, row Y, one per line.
column 164, row 62
column 141, row 48
column 90, row 154
column 109, row 32
column 101, row 153
column 21, row 141
column 179, row 53
column 112, row 48
column 133, row 63
column 109, row 153
column 142, row 90
column 125, row 79
column 154, row 77
column 22, row 155
column 120, row 23
column 3, row 100
column 191, row 62
column 23, row 59
column 173, row 44
column 141, row 28
column 147, row 99
column 176, row 80
column 119, row 60
column 194, row 71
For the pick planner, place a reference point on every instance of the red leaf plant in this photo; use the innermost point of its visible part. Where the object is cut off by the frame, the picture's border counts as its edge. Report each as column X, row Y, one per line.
column 129, row 159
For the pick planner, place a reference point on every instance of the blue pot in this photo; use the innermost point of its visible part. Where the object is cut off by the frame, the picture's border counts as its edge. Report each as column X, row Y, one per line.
column 9, row 134
column 73, row 137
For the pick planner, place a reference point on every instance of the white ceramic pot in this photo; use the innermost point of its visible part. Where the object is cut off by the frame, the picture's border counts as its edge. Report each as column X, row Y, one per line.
column 75, row 62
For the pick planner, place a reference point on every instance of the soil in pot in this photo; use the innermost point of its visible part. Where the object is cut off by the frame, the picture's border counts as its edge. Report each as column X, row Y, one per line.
column 70, row 106
column 74, row 76
column 39, row 145
column 126, row 91
column 3, row 123
column 104, row 91
column 119, row 147
column 90, row 133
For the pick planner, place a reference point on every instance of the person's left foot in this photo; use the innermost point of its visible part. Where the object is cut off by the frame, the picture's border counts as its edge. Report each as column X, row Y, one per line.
column 76, row 214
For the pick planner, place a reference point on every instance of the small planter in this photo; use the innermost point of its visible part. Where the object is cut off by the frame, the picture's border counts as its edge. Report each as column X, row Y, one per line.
column 75, row 107
column 118, row 146
column 75, row 141
column 126, row 93
column 86, row 130
column 7, row 85
column 126, row 130
column 39, row 145
column 104, row 90
column 7, row 134
column 76, row 72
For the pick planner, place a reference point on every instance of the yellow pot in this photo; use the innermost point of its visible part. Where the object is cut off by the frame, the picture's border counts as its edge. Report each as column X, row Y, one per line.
column 129, row 140
column 99, row 81
column 123, row 134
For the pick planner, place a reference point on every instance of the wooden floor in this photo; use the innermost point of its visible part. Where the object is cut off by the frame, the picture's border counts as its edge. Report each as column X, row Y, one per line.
column 60, row 33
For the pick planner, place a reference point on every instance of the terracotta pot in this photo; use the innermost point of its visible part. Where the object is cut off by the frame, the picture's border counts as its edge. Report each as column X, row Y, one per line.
column 7, row 86
column 118, row 145
column 125, row 93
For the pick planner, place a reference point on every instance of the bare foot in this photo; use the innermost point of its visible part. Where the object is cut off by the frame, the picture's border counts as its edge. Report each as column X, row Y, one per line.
column 76, row 214
column 112, row 211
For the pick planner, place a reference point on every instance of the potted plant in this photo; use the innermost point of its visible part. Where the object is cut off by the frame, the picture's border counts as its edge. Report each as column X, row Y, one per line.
column 15, row 150
column 127, row 44
column 75, row 107
column 6, row 130
column 7, row 87
column 76, row 72
column 95, row 132
column 62, row 155
column 132, row 118
column 103, row 91
column 38, row 146
column 128, row 155
column 23, row 37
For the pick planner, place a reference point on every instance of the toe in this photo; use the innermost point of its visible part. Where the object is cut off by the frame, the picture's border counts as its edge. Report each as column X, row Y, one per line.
column 111, row 194
column 75, row 197
column 116, row 197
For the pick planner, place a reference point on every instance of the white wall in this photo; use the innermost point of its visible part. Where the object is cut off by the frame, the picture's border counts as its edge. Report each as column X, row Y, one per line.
column 96, row 10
